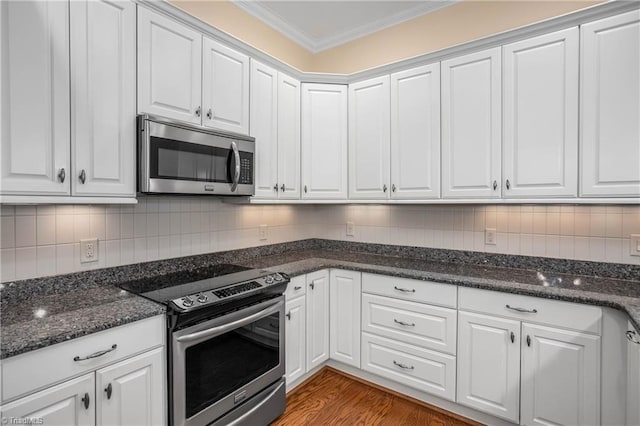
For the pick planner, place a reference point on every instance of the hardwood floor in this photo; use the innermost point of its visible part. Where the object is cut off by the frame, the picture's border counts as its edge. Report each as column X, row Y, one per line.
column 333, row 398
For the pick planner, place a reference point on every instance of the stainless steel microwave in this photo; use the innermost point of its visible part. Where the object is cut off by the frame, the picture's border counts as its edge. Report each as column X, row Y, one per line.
column 180, row 158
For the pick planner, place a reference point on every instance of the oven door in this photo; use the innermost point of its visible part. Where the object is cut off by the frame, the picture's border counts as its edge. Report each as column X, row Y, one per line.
column 221, row 363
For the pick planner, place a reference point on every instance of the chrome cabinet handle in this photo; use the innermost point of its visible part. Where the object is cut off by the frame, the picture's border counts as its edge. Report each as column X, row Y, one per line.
column 198, row 111
column 305, row 189
column 528, row 340
column 210, row 114
column 275, row 187
column 513, row 337
column 108, row 390
column 296, row 288
column 495, row 185
column 83, row 176
column 282, row 188
column 393, row 187
column 508, row 184
column 413, row 324
column 526, row 311
column 95, row 354
column 62, row 174
column 288, row 315
column 236, row 172
column 384, row 188
column 312, row 285
column 86, row 400
column 405, row 290
column 631, row 337
column 404, row 367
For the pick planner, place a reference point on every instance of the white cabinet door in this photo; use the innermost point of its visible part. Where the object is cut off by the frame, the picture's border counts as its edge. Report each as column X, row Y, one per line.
column 103, row 98
column 225, row 88
column 344, row 314
column 415, row 133
column 295, row 339
column 369, row 138
column 540, row 149
column 489, row 364
column 264, row 127
column 61, row 405
column 132, row 392
column 288, row 137
column 324, row 141
column 35, row 97
column 169, row 68
column 471, row 125
column 317, row 318
column 610, row 107
column 633, row 376
column 560, row 377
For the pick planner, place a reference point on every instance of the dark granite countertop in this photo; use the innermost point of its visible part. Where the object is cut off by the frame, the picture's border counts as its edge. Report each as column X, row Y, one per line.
column 40, row 312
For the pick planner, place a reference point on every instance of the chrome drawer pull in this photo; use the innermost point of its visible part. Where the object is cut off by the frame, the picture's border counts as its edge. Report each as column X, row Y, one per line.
column 296, row 288
column 404, row 367
column 631, row 337
column 413, row 324
column 96, row 354
column 405, row 290
column 527, row 311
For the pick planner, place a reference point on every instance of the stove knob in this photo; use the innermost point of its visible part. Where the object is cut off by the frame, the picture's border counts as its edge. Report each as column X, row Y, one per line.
column 268, row 279
column 202, row 298
column 187, row 301
column 278, row 277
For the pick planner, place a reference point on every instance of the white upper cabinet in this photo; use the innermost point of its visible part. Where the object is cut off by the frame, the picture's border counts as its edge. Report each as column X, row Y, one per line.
column 415, row 133
column 610, row 107
column 471, row 125
column 225, row 88
column 264, row 127
column 369, row 121
column 169, row 68
column 540, row 150
column 288, row 137
column 35, row 97
column 103, row 104
column 324, row 141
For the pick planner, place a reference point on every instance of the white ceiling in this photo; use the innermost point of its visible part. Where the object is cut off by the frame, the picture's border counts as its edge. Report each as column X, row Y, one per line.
column 319, row 25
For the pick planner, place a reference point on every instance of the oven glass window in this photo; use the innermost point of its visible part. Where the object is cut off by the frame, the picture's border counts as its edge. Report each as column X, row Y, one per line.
column 223, row 364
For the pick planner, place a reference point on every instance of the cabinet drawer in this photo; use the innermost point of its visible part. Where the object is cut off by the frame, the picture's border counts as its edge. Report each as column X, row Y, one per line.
column 418, row 368
column 409, row 289
column 544, row 311
column 428, row 326
column 295, row 288
column 34, row 370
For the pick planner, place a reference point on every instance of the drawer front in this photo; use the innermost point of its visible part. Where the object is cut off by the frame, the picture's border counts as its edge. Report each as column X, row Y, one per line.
column 418, row 368
column 37, row 369
column 431, row 327
column 296, row 287
column 408, row 289
column 569, row 315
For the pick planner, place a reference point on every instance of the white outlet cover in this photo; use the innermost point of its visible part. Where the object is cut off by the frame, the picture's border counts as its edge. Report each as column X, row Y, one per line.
column 351, row 229
column 490, row 236
column 262, row 232
column 89, row 250
column 634, row 244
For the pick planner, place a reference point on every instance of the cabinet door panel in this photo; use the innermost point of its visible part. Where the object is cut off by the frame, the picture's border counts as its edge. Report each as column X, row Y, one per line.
column 344, row 294
column 633, row 376
column 471, row 125
column 415, row 133
column 369, row 138
column 317, row 318
column 264, row 127
column 296, row 333
column 103, row 106
column 137, row 391
column 288, row 138
column 169, row 68
column 35, row 97
column 60, row 405
column 489, row 364
column 225, row 88
column 540, row 149
column 610, row 107
column 324, row 141
column 560, row 377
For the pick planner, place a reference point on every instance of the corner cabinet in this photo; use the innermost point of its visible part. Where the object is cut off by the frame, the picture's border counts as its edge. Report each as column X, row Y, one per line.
column 610, row 107
column 324, row 141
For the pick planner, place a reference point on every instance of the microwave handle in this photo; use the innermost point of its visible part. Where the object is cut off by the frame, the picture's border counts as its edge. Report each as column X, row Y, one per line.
column 236, row 172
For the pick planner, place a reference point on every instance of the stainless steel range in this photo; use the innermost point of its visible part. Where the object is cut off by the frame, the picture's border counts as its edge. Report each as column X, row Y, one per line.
column 225, row 344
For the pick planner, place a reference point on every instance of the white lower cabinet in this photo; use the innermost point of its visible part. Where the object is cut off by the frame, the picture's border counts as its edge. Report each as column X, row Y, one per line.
column 317, row 318
column 633, row 376
column 295, row 335
column 344, row 316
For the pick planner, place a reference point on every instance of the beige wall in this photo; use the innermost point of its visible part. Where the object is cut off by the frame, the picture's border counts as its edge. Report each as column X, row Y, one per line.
column 462, row 22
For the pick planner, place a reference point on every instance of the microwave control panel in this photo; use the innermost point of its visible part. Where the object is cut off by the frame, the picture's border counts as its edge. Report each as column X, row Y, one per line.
column 246, row 168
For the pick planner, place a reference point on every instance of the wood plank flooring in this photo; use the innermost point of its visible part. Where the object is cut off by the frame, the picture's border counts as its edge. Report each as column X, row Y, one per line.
column 334, row 398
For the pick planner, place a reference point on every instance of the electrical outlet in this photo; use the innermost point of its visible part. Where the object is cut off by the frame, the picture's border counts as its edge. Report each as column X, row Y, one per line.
column 89, row 250
column 262, row 232
column 490, row 236
column 351, row 229
column 634, row 244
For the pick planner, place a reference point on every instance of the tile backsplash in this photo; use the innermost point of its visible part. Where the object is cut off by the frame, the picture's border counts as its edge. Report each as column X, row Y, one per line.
column 44, row 240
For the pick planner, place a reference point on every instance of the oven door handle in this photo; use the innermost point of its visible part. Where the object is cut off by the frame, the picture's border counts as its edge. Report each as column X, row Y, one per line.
column 236, row 171
column 211, row 332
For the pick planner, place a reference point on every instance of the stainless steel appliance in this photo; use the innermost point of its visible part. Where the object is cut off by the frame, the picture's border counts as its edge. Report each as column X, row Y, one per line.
column 180, row 158
column 225, row 344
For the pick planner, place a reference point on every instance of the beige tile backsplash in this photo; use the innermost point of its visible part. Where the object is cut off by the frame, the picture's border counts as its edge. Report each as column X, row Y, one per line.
column 44, row 240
